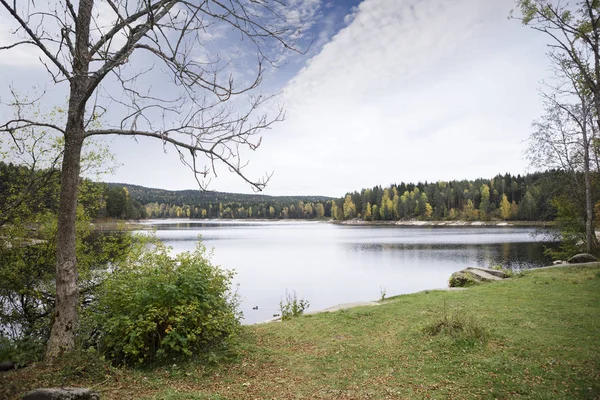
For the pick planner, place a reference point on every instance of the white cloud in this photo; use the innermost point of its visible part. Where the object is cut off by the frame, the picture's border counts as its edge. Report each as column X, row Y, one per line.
column 417, row 90
column 409, row 90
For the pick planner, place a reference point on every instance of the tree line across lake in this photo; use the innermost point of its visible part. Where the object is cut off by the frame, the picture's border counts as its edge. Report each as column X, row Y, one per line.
column 506, row 197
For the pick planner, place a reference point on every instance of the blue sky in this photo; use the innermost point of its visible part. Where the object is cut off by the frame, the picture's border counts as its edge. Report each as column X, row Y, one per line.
column 389, row 91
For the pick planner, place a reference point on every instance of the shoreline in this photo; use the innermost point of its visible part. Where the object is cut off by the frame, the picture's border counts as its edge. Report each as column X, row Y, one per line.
column 346, row 306
column 131, row 225
column 454, row 223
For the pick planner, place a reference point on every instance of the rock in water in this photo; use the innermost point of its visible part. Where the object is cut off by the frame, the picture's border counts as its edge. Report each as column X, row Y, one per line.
column 582, row 258
column 62, row 394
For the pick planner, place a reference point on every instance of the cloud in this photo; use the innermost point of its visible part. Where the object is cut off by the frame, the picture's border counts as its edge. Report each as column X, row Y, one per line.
column 409, row 91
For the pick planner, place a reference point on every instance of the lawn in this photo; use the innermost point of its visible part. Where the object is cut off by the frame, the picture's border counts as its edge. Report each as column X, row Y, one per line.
column 534, row 336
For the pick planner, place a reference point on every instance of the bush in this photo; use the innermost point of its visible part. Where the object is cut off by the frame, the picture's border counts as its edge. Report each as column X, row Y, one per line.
column 21, row 352
column 292, row 306
column 154, row 307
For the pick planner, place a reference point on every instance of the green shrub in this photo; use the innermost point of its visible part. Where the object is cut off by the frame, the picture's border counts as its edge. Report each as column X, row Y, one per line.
column 292, row 306
column 155, row 307
column 22, row 351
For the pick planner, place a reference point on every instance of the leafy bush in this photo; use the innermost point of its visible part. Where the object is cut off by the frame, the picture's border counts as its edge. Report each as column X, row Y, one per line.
column 154, row 306
column 27, row 277
column 292, row 306
column 21, row 351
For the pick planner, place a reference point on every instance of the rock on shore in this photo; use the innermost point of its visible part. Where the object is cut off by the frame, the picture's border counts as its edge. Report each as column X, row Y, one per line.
column 473, row 276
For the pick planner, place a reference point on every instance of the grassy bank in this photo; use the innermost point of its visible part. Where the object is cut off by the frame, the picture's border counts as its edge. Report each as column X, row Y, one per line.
column 535, row 336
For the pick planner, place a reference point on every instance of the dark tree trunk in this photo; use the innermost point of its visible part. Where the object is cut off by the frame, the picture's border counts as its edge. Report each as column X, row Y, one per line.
column 589, row 207
column 62, row 336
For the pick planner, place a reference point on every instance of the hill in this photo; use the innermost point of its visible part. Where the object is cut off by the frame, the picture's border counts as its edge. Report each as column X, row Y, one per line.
column 147, row 195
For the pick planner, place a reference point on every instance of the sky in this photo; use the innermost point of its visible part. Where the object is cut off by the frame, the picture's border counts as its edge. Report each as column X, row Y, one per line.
column 388, row 91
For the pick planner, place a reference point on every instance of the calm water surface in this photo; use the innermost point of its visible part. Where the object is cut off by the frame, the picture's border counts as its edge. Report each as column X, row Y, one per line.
column 330, row 264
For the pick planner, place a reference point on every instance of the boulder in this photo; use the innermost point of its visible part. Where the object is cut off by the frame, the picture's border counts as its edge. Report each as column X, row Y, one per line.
column 582, row 258
column 7, row 366
column 486, row 271
column 474, row 276
column 62, row 394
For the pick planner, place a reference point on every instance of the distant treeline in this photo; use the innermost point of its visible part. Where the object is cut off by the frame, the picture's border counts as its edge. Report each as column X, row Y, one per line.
column 138, row 202
column 505, row 197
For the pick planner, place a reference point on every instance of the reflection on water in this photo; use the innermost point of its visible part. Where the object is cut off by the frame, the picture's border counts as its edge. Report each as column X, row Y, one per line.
column 516, row 256
column 331, row 264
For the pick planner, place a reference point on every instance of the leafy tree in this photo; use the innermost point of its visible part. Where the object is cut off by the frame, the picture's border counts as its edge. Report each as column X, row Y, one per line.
column 368, row 215
column 527, row 208
column 504, row 208
column 428, row 211
column 349, row 208
column 485, row 201
column 197, row 119
column 386, row 209
column 469, row 212
column 574, row 28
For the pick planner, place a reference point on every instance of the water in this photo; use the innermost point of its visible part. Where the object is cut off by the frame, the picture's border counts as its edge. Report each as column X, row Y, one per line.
column 329, row 264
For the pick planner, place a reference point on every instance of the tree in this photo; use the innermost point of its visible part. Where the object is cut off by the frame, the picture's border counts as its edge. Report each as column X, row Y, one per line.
column 198, row 117
column 368, row 216
column 386, row 208
column 504, row 208
column 485, row 201
column 574, row 28
column 349, row 208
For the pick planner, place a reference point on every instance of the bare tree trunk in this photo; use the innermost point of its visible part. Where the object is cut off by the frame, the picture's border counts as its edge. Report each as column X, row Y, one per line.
column 589, row 207
column 62, row 336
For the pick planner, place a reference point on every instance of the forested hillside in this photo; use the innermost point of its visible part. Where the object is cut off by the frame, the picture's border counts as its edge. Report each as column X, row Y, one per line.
column 131, row 201
column 505, row 197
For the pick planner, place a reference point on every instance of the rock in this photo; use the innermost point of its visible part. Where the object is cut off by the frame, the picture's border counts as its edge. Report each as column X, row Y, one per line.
column 6, row 366
column 582, row 258
column 558, row 262
column 495, row 272
column 62, row 394
column 474, row 276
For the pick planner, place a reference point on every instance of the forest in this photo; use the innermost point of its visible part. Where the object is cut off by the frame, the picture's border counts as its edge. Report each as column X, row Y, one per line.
column 503, row 197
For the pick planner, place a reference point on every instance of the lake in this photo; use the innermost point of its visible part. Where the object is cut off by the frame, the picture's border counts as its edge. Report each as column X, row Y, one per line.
column 330, row 264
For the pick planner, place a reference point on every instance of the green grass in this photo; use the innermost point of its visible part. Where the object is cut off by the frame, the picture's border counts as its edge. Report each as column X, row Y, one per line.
column 535, row 336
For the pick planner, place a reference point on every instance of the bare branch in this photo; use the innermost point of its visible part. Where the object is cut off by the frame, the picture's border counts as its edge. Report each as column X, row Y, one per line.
column 35, row 39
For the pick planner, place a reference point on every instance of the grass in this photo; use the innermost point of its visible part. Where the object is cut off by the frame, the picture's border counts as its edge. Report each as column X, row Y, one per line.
column 535, row 336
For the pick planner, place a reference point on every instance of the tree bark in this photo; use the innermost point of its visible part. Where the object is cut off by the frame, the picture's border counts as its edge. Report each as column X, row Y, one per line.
column 62, row 335
column 589, row 208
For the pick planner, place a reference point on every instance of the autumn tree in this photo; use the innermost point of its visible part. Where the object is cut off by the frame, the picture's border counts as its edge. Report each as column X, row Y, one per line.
column 198, row 115
column 368, row 215
column 504, row 208
column 485, row 201
column 349, row 207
